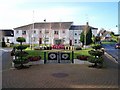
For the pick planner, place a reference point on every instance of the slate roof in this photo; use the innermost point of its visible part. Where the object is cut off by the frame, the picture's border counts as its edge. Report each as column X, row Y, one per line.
column 7, row 32
column 46, row 25
column 80, row 27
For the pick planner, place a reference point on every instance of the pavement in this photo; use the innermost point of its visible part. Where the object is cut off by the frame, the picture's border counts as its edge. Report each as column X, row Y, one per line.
column 63, row 76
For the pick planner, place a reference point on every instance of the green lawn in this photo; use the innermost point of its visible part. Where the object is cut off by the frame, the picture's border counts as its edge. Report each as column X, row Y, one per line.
column 107, row 42
column 41, row 52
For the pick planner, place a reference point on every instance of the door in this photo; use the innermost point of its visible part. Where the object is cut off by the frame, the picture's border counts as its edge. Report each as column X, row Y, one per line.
column 70, row 42
column 40, row 41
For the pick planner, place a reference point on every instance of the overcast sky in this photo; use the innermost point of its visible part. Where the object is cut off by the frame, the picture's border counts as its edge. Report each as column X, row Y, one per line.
column 15, row 13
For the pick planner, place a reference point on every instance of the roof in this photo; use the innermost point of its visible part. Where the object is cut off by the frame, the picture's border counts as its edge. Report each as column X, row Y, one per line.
column 46, row 25
column 7, row 32
column 80, row 27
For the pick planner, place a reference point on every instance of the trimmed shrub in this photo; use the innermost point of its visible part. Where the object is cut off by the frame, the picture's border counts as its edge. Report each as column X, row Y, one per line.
column 97, row 46
column 20, row 39
column 21, row 47
column 95, row 53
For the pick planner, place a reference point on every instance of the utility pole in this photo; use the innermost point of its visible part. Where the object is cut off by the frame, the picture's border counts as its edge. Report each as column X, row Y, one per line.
column 32, row 31
column 45, row 32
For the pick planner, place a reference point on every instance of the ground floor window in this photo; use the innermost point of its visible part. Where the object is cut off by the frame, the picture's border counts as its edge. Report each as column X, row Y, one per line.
column 58, row 41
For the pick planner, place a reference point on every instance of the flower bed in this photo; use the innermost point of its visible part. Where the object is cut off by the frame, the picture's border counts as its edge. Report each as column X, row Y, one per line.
column 82, row 57
column 34, row 58
column 60, row 46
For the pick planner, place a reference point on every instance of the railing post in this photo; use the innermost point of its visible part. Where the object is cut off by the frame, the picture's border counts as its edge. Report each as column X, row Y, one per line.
column 44, row 57
column 58, row 57
column 72, row 56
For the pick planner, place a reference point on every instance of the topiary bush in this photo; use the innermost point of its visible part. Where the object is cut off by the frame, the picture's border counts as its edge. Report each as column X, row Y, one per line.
column 98, row 62
column 96, row 53
column 96, row 58
column 20, row 55
column 97, row 46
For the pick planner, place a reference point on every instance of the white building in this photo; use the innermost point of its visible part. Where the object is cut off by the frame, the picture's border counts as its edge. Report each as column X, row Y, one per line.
column 44, row 33
column 7, row 35
column 75, row 32
column 51, row 33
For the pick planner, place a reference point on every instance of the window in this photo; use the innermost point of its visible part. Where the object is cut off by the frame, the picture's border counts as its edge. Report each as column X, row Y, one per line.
column 47, row 40
column 17, row 32
column 75, row 40
column 46, row 31
column 34, row 31
column 56, row 32
column 23, row 32
column 75, row 33
column 40, row 31
column 63, row 39
column 34, row 39
column 63, row 31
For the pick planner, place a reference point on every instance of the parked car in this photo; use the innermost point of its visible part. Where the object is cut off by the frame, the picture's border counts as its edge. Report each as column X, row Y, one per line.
column 117, row 45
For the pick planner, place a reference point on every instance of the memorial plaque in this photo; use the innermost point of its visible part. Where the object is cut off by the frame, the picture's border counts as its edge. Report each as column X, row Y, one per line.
column 65, row 56
column 52, row 56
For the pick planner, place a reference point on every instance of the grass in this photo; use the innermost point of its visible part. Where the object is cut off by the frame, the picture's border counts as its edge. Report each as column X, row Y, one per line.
column 107, row 42
column 41, row 52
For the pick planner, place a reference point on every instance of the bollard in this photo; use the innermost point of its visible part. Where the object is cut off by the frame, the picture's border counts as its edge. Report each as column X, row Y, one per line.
column 72, row 56
column 58, row 57
column 44, row 57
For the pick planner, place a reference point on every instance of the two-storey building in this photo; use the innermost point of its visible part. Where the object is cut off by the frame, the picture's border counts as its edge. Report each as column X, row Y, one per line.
column 44, row 32
column 51, row 33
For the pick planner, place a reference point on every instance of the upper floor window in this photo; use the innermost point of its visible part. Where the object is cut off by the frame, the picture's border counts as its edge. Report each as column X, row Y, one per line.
column 75, row 40
column 56, row 32
column 17, row 32
column 46, row 31
column 75, row 33
column 63, row 31
column 40, row 31
column 34, row 31
column 23, row 32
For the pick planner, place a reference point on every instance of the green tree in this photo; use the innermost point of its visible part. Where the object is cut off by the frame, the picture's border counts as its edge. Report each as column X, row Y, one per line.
column 86, row 36
column 82, row 37
column 89, row 36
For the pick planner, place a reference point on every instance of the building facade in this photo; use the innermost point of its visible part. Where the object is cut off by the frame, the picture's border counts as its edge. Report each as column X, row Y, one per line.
column 75, row 32
column 7, row 35
column 51, row 33
column 44, row 33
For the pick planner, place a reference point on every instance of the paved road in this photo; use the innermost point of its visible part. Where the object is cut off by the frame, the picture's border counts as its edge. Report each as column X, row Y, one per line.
column 5, row 59
column 110, row 48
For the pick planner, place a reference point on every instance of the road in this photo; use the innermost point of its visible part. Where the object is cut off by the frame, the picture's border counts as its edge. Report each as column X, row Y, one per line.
column 110, row 49
column 5, row 59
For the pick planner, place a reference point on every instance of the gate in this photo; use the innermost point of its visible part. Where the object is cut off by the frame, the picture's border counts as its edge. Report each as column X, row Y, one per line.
column 59, row 57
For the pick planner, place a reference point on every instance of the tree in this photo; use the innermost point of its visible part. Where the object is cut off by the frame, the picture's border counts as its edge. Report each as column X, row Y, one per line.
column 89, row 36
column 86, row 36
column 82, row 37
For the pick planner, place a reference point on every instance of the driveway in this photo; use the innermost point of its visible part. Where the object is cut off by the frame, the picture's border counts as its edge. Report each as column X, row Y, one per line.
column 63, row 76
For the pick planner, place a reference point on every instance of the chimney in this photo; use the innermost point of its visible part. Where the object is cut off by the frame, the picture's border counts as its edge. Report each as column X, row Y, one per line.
column 87, row 23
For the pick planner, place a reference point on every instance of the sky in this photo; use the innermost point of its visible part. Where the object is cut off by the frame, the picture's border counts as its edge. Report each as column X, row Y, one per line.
column 15, row 13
